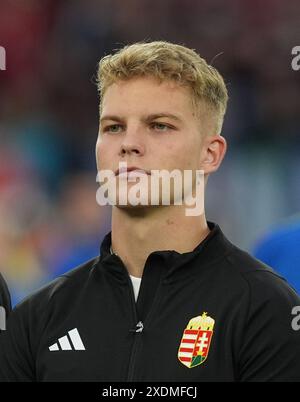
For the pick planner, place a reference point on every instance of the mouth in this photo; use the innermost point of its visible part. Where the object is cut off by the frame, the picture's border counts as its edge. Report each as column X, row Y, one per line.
column 127, row 170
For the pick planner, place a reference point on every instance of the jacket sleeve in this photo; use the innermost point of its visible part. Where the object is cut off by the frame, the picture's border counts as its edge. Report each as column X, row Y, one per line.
column 270, row 348
column 16, row 360
column 5, row 302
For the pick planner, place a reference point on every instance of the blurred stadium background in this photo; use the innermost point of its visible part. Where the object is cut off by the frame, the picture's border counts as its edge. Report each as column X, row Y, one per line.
column 49, row 219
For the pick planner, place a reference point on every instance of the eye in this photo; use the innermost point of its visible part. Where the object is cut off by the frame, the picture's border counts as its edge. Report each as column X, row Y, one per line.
column 113, row 128
column 160, row 126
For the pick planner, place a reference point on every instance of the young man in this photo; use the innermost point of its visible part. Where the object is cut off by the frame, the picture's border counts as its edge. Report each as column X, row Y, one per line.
column 169, row 298
column 5, row 304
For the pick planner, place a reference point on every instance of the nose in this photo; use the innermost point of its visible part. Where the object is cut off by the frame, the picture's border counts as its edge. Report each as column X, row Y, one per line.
column 132, row 144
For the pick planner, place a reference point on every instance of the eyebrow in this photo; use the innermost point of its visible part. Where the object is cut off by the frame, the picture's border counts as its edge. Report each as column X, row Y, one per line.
column 147, row 118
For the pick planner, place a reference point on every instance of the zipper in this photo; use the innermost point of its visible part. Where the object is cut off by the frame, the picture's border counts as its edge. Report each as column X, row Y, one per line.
column 139, row 325
column 137, row 331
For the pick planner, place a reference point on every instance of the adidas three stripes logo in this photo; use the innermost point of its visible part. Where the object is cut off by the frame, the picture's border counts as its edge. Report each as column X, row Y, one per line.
column 71, row 342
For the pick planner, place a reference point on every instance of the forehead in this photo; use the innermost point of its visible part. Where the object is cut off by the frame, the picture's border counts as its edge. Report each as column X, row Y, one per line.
column 146, row 94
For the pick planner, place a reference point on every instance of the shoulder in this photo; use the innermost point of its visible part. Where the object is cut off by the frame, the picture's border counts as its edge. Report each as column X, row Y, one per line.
column 267, row 330
column 59, row 291
column 4, row 295
column 260, row 279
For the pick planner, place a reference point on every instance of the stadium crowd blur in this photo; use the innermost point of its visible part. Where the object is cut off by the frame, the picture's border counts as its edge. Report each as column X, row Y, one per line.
column 49, row 219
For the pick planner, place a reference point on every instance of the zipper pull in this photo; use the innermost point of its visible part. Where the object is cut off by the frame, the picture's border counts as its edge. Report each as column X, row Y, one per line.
column 138, row 328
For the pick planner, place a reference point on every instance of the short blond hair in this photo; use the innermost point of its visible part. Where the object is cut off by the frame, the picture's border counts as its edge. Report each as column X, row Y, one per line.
column 167, row 61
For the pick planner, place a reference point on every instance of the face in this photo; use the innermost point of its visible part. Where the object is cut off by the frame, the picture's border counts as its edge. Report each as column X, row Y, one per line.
column 149, row 125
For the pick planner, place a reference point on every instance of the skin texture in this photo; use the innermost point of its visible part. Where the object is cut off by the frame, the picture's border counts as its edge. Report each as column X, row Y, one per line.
column 129, row 132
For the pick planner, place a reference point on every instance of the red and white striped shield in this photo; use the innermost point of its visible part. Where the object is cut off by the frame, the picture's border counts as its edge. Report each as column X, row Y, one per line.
column 196, row 340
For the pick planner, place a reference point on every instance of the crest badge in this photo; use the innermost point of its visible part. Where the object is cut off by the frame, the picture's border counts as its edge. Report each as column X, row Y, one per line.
column 196, row 339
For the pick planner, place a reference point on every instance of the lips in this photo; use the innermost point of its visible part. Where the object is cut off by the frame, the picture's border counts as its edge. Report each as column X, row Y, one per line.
column 126, row 170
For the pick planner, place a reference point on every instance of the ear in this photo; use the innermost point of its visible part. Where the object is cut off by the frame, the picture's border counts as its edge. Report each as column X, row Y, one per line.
column 213, row 152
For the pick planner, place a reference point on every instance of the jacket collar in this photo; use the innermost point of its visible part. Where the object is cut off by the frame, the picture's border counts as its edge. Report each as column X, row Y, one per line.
column 214, row 246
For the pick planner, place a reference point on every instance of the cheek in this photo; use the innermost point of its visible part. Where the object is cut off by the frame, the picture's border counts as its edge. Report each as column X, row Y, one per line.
column 187, row 156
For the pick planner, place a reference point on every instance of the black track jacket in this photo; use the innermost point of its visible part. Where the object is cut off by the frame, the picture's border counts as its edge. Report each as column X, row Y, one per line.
column 213, row 314
column 5, row 303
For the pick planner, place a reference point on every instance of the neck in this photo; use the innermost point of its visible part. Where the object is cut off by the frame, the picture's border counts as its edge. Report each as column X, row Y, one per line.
column 137, row 232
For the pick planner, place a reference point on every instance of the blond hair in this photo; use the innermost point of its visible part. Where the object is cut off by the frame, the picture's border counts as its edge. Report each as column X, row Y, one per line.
column 167, row 61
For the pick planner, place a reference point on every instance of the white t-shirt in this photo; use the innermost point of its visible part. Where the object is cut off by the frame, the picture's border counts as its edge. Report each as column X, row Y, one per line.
column 136, row 282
